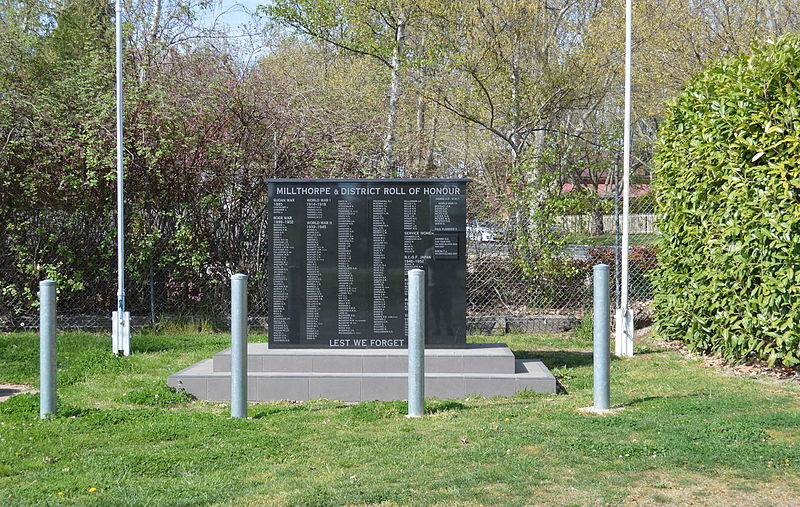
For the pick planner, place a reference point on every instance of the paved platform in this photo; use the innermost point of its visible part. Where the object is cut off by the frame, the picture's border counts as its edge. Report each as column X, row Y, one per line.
column 366, row 374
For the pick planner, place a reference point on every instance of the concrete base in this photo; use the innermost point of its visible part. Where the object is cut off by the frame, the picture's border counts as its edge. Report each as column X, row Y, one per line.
column 502, row 324
column 366, row 375
column 616, row 409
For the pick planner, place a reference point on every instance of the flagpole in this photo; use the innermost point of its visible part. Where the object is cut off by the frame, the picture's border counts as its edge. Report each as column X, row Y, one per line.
column 120, row 318
column 624, row 316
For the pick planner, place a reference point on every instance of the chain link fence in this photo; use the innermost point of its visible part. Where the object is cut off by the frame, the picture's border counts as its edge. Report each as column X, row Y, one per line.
column 507, row 290
column 508, row 293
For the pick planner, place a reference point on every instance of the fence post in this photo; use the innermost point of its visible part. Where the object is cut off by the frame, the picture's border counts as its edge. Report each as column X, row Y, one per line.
column 239, row 345
column 47, row 348
column 416, row 343
column 601, row 331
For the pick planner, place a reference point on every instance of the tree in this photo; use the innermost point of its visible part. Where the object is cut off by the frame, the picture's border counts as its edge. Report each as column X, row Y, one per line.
column 373, row 28
column 510, row 67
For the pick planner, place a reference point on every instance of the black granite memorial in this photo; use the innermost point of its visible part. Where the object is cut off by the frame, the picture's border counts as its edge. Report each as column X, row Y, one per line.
column 339, row 253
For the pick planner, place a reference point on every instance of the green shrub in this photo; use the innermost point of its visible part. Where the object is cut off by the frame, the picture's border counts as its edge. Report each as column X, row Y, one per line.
column 728, row 275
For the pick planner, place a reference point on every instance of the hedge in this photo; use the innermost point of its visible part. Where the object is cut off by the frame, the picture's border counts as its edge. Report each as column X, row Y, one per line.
column 728, row 193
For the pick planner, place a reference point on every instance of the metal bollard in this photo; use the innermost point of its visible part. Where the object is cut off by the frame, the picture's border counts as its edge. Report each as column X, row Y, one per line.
column 416, row 343
column 239, row 345
column 47, row 348
column 601, row 331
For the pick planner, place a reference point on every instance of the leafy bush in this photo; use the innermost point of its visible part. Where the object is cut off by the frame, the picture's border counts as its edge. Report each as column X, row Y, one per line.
column 728, row 276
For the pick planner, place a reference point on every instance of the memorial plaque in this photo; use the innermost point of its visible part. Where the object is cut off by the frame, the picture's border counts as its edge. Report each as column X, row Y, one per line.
column 339, row 251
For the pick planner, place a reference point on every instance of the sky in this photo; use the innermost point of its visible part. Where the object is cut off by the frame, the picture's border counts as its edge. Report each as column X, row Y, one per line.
column 232, row 13
column 234, row 18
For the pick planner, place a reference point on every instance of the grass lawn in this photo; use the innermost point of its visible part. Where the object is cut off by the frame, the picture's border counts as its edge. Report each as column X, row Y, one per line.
column 687, row 433
column 609, row 239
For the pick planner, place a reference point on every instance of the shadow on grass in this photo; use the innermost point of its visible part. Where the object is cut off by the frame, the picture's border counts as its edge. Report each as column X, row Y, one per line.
column 261, row 411
column 172, row 343
column 70, row 412
column 436, row 406
column 558, row 359
column 8, row 392
column 643, row 350
column 645, row 399
column 26, row 405
column 153, row 348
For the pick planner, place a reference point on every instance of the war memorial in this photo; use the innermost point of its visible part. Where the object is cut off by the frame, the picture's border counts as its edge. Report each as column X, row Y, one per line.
column 339, row 254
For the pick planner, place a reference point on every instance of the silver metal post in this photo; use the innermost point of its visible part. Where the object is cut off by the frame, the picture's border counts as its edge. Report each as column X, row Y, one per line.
column 601, row 337
column 239, row 345
column 47, row 348
column 416, row 343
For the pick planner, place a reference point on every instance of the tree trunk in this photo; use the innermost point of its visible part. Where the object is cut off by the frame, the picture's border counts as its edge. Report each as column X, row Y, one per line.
column 596, row 224
column 150, row 40
column 394, row 96
column 516, row 111
column 419, row 156
column 430, row 164
column 535, row 179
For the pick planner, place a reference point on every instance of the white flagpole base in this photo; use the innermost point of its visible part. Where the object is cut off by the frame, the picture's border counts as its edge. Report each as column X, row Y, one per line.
column 115, row 333
column 126, row 334
column 121, row 333
column 623, row 332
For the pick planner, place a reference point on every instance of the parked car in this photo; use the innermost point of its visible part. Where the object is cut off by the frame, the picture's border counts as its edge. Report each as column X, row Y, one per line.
column 483, row 232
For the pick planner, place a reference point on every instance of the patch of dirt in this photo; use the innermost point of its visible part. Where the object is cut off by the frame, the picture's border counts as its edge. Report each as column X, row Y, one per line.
column 749, row 368
column 790, row 436
column 727, row 491
column 9, row 390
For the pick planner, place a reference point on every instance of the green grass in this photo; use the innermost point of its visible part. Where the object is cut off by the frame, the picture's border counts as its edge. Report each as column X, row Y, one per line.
column 609, row 239
column 686, row 434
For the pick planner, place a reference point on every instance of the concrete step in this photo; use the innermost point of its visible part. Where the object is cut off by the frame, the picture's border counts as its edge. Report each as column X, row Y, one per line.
column 475, row 358
column 205, row 383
